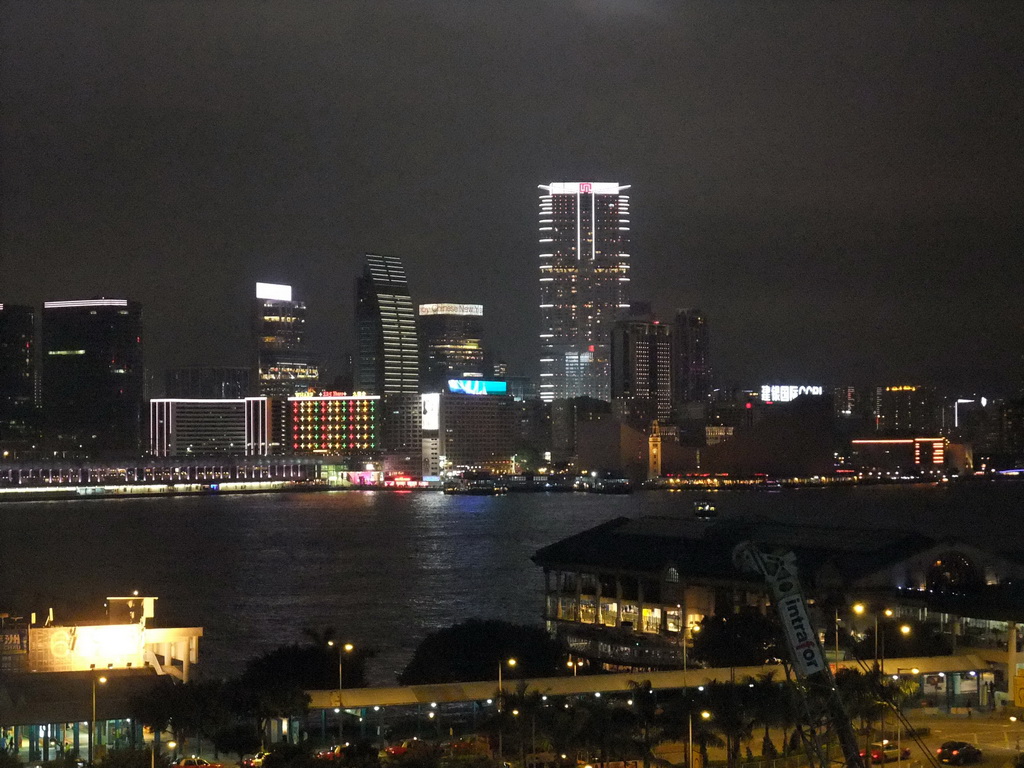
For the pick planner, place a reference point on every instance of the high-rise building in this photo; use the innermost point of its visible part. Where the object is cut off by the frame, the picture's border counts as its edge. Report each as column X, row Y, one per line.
column 692, row 364
column 93, row 378
column 207, row 382
column 642, row 357
column 584, row 276
column 468, row 428
column 451, row 344
column 388, row 351
column 906, row 410
column 282, row 364
column 17, row 375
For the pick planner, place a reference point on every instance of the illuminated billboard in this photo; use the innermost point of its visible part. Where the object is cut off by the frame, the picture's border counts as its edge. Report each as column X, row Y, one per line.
column 70, row 649
column 431, row 412
column 273, row 292
column 477, row 387
column 776, row 393
column 472, row 310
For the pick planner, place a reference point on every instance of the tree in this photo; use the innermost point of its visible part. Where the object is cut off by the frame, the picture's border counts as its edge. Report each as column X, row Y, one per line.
column 730, row 716
column 766, row 705
column 473, row 650
column 742, row 639
column 645, row 710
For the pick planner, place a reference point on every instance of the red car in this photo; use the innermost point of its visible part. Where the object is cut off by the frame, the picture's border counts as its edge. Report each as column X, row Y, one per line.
column 337, row 752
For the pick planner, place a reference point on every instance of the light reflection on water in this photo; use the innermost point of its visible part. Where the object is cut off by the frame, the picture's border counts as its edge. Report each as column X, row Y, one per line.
column 384, row 569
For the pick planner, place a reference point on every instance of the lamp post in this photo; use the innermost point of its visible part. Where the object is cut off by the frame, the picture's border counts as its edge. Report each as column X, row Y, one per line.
column 501, row 696
column 574, row 665
column 342, row 649
column 92, row 723
column 896, row 705
column 704, row 715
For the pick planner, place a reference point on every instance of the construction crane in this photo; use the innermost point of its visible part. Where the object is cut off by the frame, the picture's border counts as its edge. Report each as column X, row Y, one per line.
column 823, row 710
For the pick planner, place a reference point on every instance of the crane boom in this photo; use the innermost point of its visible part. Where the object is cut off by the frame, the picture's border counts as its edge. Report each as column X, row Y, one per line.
column 816, row 684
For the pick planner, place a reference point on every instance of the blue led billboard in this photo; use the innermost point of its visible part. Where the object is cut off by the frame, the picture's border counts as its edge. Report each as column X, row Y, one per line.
column 477, row 387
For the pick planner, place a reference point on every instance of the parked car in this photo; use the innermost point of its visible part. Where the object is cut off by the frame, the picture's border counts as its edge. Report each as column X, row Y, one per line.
column 958, row 753
column 885, row 750
column 255, row 761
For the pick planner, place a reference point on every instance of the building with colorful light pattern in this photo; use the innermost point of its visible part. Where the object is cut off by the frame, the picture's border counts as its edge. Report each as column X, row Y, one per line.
column 332, row 424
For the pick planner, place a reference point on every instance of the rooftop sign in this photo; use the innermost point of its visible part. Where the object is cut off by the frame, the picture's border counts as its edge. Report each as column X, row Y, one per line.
column 774, row 393
column 273, row 292
column 475, row 310
column 584, row 188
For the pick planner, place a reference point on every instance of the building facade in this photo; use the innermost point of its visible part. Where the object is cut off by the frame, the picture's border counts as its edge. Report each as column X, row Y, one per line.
column 93, row 377
column 584, row 280
column 467, row 431
column 388, row 348
column 451, row 344
column 332, row 424
column 629, row 593
column 304, row 425
column 692, row 366
column 207, row 382
column 282, row 364
column 18, row 421
column 906, row 410
column 642, row 362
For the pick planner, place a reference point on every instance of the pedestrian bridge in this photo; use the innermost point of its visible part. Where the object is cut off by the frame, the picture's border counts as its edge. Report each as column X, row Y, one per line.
column 360, row 698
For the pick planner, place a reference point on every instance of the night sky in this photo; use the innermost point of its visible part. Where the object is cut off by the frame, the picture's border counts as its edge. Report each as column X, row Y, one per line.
column 838, row 185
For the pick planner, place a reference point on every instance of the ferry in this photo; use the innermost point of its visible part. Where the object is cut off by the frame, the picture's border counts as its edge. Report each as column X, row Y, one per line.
column 704, row 509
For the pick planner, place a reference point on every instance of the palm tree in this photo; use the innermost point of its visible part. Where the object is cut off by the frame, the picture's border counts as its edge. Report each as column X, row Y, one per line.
column 645, row 710
column 766, row 701
column 731, row 716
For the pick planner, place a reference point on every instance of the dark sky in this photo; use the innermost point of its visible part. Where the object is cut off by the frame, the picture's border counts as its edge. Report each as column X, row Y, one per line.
column 838, row 185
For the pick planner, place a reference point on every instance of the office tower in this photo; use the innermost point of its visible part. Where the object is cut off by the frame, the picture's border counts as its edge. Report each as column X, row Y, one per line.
column 17, row 375
column 198, row 426
column 642, row 359
column 282, row 365
column 207, row 382
column 906, row 411
column 451, row 344
column 692, row 364
column 92, row 375
column 388, row 352
column 468, row 428
column 584, row 275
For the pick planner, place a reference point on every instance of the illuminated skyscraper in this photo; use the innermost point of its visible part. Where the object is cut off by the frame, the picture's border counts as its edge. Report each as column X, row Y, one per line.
column 584, row 276
column 388, row 360
column 282, row 365
column 451, row 344
column 642, row 352
column 93, row 376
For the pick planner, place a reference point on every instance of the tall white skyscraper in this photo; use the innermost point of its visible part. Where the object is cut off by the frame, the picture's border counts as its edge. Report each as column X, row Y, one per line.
column 584, row 280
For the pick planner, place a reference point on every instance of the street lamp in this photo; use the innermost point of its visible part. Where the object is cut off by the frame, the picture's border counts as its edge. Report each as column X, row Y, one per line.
column 92, row 723
column 705, row 716
column 574, row 665
column 501, row 698
column 342, row 649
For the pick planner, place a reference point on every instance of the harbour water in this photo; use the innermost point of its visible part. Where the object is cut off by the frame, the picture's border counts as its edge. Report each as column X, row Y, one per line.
column 386, row 568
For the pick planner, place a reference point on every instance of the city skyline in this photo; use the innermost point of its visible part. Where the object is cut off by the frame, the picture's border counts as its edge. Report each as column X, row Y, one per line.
column 836, row 187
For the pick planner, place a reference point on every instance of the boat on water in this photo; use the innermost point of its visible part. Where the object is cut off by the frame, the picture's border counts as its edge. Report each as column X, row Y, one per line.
column 704, row 509
column 477, row 486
